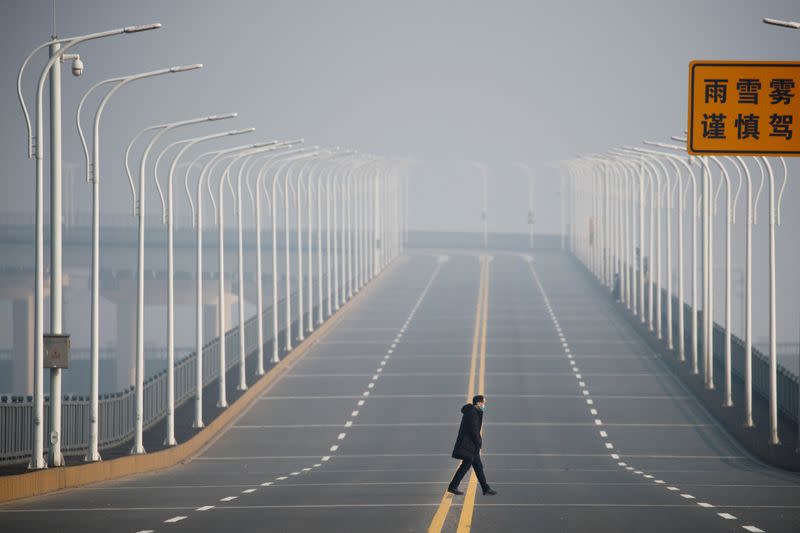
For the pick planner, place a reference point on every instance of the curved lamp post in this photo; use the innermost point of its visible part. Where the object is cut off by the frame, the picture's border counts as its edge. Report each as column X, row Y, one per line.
column 58, row 49
column 93, row 176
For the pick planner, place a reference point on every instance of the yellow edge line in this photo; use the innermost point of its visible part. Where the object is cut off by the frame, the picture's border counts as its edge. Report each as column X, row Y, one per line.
column 447, row 499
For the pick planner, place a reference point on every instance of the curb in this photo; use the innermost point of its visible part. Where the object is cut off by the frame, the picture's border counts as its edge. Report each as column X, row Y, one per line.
column 54, row 479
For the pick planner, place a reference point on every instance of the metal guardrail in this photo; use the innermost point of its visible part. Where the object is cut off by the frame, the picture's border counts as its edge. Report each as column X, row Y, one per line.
column 788, row 382
column 116, row 410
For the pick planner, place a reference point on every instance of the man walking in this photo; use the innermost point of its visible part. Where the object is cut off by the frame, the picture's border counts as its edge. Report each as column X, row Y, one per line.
column 468, row 446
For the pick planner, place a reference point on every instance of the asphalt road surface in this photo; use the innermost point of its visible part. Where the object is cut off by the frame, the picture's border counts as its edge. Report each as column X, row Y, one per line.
column 584, row 428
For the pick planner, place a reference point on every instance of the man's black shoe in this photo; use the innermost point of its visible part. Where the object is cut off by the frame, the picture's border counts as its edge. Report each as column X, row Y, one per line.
column 489, row 492
column 455, row 491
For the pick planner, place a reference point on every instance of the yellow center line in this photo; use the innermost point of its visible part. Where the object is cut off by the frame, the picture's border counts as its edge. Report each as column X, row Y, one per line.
column 465, row 520
column 447, row 499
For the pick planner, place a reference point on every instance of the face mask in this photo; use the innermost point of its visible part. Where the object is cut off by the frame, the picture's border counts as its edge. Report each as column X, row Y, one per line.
column 480, row 407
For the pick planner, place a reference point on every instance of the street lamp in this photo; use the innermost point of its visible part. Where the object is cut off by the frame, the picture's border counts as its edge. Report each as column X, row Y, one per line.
column 485, row 176
column 93, row 176
column 139, row 210
column 35, row 144
column 529, row 173
column 256, row 199
column 783, row 23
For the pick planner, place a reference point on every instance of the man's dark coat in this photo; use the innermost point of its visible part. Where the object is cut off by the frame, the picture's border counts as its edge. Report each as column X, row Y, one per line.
column 469, row 441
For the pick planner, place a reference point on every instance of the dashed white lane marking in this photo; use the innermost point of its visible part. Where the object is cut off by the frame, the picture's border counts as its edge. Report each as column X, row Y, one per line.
column 603, row 434
column 248, row 491
column 371, row 385
column 334, row 447
column 375, row 377
column 589, row 401
column 228, row 498
column 673, row 488
column 145, row 531
column 266, row 484
column 704, row 504
column 687, row 496
column 365, row 393
column 327, row 457
column 609, row 446
column 175, row 519
column 598, row 422
column 341, row 436
column 753, row 529
column 354, row 413
column 295, row 474
column 281, row 478
column 204, row 508
column 360, row 402
column 379, row 370
column 348, row 423
column 726, row 516
column 383, row 363
column 593, row 411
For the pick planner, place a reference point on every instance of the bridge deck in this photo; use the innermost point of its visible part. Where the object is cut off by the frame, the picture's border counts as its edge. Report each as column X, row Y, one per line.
column 585, row 428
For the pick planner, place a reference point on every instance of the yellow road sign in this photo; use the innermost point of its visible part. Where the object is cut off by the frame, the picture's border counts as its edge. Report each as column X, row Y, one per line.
column 744, row 107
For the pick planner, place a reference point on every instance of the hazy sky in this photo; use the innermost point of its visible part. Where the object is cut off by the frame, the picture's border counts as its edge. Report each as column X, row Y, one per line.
column 438, row 82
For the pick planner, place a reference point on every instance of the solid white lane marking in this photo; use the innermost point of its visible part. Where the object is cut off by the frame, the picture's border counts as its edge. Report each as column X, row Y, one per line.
column 228, row 498
column 204, row 508
column 341, row 436
column 726, row 516
column 334, row 447
column 175, row 519
column 753, row 529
